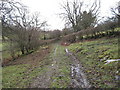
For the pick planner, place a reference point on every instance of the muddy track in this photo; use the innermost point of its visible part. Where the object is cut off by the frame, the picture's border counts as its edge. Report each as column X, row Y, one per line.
column 78, row 78
column 44, row 80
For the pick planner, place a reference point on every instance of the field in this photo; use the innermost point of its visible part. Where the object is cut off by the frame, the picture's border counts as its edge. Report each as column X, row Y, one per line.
column 92, row 55
column 51, row 67
column 19, row 73
column 74, row 46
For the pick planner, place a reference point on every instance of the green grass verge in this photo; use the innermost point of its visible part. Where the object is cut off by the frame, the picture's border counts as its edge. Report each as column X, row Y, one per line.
column 20, row 76
column 62, row 77
column 92, row 55
column 13, row 75
column 0, row 45
column 5, row 50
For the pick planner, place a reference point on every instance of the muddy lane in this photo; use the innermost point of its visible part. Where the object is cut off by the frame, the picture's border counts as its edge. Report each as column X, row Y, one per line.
column 58, row 66
column 78, row 78
column 44, row 80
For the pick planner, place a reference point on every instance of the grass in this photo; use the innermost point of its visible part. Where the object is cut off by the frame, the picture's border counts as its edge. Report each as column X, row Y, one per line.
column 0, row 45
column 92, row 55
column 13, row 75
column 5, row 50
column 21, row 76
column 62, row 77
column 6, row 54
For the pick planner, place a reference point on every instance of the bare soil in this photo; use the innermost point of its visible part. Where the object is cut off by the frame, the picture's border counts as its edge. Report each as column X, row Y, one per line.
column 78, row 78
column 44, row 80
column 33, row 59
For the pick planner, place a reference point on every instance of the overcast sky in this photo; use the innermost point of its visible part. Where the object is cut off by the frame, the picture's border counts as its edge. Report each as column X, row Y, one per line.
column 49, row 10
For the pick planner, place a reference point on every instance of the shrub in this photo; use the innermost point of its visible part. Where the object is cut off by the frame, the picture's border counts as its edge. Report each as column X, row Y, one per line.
column 69, row 38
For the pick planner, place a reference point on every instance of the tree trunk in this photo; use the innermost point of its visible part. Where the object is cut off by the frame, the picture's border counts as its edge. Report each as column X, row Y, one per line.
column 22, row 50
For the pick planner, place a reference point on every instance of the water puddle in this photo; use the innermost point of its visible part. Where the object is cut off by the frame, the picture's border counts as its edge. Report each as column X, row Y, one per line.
column 112, row 60
column 78, row 77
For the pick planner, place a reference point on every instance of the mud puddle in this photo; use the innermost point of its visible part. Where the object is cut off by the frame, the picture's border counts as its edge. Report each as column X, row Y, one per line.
column 78, row 78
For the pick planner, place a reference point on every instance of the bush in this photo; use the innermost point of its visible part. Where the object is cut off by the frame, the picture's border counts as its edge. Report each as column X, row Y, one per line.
column 69, row 38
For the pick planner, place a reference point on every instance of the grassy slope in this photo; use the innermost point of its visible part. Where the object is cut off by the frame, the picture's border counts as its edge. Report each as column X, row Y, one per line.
column 20, row 76
column 6, row 53
column 90, row 54
column 5, row 47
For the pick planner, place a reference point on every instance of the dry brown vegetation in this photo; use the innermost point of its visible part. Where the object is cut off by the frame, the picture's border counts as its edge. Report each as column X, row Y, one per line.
column 91, row 33
column 32, row 59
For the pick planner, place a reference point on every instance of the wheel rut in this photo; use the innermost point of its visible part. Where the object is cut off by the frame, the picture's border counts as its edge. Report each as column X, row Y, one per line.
column 78, row 78
column 44, row 80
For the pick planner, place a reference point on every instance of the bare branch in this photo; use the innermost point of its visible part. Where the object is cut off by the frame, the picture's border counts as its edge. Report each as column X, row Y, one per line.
column 74, row 13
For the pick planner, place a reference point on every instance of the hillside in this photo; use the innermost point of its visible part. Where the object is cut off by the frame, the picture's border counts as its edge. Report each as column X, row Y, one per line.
column 52, row 67
column 93, row 56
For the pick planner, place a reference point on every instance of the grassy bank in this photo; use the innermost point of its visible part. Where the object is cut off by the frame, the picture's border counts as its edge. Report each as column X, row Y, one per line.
column 92, row 55
column 54, row 65
column 21, row 72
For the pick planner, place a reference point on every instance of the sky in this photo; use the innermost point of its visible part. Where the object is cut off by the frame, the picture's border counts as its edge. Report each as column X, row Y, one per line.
column 50, row 10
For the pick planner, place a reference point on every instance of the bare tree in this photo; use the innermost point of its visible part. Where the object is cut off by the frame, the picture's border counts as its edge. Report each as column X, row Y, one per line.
column 79, row 16
column 116, row 12
column 55, row 34
column 19, row 26
column 66, row 31
column 9, row 9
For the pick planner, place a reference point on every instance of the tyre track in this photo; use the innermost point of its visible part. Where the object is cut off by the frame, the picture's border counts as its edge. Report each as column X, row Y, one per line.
column 79, row 79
